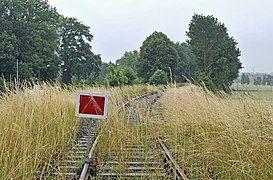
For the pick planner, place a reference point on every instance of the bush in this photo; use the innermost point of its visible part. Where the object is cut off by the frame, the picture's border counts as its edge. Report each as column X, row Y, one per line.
column 116, row 77
column 159, row 77
column 131, row 75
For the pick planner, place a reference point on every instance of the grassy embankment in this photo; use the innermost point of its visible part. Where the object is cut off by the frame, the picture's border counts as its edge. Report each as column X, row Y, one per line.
column 36, row 126
column 227, row 137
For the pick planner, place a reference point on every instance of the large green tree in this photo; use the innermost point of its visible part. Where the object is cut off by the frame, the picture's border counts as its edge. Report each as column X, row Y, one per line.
column 29, row 34
column 76, row 52
column 217, row 55
column 157, row 52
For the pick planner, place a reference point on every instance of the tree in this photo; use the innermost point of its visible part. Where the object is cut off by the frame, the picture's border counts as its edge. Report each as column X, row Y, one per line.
column 76, row 52
column 8, row 54
column 129, row 59
column 104, row 70
column 115, row 77
column 29, row 34
column 243, row 79
column 131, row 76
column 269, row 80
column 157, row 52
column 247, row 79
column 258, row 81
column 186, row 66
column 216, row 53
column 264, row 80
column 159, row 77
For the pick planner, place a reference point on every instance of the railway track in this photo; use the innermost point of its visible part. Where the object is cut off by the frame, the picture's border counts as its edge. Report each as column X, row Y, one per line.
column 70, row 166
column 147, row 159
column 143, row 158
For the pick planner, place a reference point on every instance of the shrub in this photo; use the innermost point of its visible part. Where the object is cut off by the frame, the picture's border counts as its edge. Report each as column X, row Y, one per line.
column 159, row 77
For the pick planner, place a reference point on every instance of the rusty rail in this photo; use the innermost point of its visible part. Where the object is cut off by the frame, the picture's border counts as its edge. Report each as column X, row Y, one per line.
column 179, row 171
column 86, row 164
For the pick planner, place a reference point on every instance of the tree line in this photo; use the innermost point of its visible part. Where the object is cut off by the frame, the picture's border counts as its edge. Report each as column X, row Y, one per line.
column 256, row 79
column 209, row 56
column 44, row 44
column 48, row 46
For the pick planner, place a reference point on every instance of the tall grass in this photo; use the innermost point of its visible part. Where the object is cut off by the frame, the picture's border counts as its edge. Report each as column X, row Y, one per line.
column 221, row 137
column 119, row 133
column 36, row 126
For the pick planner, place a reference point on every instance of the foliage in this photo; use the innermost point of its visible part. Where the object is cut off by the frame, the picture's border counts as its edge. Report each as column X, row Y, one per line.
column 28, row 33
column 129, row 59
column 131, row 75
column 31, row 32
column 159, row 77
column 115, row 77
column 121, row 76
column 204, row 80
column 156, row 52
column 104, row 70
column 186, row 66
column 76, row 52
column 216, row 53
column 244, row 79
column 258, row 81
column 267, row 79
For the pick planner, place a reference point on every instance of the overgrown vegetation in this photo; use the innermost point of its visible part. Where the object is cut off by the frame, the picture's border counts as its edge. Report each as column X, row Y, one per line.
column 120, row 77
column 159, row 77
column 219, row 137
column 36, row 126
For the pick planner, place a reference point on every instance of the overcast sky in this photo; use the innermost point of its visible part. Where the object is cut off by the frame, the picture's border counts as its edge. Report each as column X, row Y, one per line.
column 122, row 25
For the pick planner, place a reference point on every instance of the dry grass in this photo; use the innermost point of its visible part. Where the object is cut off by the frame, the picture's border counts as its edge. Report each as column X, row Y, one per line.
column 36, row 126
column 118, row 133
column 218, row 137
column 231, row 138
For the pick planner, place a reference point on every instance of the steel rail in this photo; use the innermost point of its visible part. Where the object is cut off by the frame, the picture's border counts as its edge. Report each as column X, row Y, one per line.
column 86, row 164
column 179, row 171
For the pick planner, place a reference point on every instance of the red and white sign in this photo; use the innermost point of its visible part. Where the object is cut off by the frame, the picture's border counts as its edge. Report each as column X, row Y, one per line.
column 91, row 105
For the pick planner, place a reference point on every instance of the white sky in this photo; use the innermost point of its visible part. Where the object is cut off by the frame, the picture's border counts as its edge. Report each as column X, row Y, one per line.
column 122, row 25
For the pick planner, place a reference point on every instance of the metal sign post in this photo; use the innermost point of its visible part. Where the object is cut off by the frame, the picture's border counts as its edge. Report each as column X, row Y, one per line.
column 89, row 140
column 92, row 106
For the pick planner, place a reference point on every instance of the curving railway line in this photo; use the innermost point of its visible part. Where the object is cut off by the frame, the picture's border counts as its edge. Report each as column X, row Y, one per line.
column 149, row 159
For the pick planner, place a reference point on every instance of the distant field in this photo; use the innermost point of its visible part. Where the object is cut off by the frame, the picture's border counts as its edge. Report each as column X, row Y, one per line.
column 251, row 87
column 260, row 92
